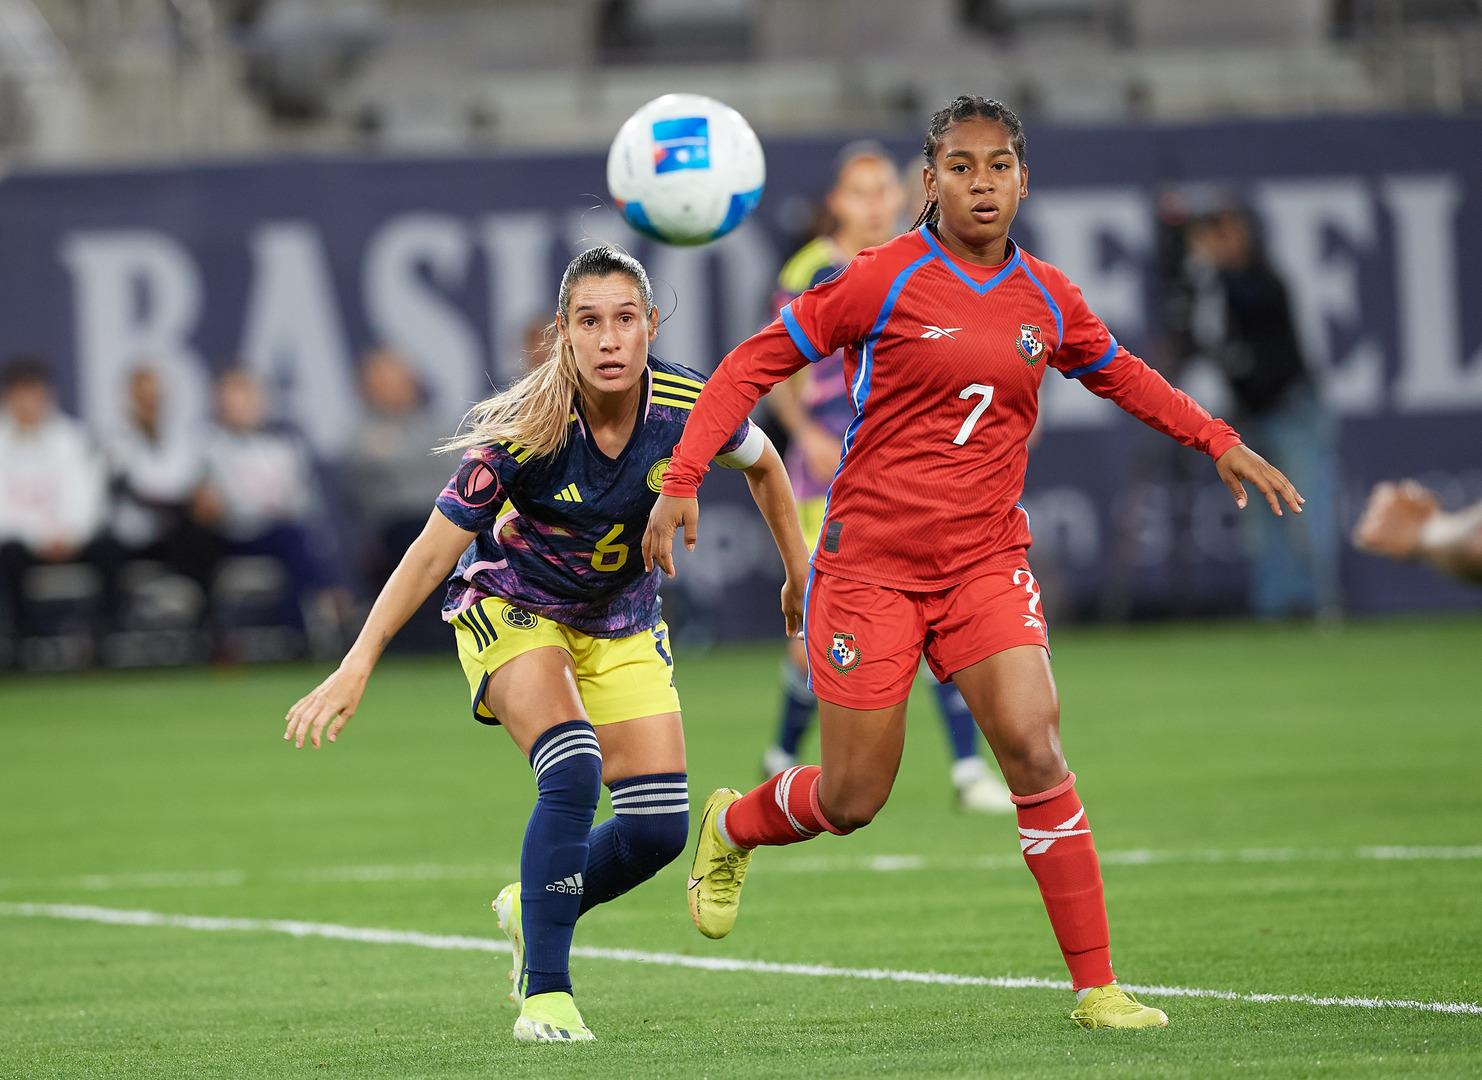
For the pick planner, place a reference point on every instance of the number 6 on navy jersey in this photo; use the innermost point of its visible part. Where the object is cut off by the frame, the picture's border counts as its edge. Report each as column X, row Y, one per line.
column 972, row 417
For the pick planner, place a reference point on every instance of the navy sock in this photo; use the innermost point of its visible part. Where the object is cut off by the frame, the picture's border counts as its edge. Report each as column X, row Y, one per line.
column 798, row 704
column 648, row 830
column 962, row 729
column 568, row 773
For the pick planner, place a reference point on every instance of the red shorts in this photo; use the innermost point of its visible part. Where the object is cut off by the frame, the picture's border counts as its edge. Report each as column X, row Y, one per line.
column 865, row 641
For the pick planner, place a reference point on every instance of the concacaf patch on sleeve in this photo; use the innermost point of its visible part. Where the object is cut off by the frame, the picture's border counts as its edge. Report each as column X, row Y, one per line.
column 478, row 483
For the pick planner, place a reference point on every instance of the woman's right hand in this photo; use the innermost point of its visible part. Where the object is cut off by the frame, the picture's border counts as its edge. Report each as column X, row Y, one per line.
column 664, row 520
column 332, row 702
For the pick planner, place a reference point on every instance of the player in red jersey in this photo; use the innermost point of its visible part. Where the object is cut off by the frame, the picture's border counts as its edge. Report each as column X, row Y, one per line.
column 947, row 332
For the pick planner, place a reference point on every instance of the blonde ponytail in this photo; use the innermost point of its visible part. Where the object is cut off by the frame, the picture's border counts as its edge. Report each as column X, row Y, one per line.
column 536, row 411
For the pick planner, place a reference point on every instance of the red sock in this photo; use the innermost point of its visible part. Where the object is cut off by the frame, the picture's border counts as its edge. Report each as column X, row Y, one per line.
column 1056, row 839
column 784, row 810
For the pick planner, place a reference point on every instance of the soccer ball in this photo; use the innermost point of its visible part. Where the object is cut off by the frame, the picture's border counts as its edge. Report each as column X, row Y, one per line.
column 685, row 169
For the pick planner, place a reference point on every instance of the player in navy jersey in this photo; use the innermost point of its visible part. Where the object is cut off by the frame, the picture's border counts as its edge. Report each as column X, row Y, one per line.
column 947, row 332
column 557, row 619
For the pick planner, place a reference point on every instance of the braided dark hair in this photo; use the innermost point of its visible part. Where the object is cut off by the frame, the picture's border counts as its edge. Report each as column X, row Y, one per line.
column 968, row 108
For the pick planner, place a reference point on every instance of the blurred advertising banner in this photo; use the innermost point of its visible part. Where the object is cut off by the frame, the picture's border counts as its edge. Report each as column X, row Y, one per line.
column 295, row 268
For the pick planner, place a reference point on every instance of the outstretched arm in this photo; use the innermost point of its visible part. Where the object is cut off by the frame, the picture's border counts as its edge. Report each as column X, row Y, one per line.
column 1405, row 521
column 425, row 565
column 1141, row 391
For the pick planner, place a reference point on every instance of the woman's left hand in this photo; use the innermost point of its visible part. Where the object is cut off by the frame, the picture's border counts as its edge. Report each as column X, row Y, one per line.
column 1242, row 463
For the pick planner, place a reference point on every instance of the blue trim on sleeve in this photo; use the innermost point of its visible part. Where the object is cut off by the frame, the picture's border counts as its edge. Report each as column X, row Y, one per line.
column 982, row 290
column 1095, row 365
column 800, row 339
column 1054, row 308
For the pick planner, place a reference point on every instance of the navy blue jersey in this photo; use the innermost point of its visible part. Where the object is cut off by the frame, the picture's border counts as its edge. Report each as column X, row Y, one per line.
column 561, row 535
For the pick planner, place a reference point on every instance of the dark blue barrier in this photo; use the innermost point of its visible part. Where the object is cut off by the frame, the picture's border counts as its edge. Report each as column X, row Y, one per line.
column 297, row 266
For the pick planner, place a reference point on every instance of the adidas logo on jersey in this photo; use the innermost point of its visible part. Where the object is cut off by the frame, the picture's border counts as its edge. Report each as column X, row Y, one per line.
column 572, row 886
column 935, row 332
column 1039, row 841
column 568, row 494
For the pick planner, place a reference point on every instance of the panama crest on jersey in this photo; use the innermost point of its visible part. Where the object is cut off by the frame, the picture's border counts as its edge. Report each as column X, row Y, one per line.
column 844, row 653
column 1031, row 346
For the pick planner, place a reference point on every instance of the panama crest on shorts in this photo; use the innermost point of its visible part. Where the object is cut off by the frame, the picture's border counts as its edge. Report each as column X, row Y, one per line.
column 844, row 653
column 1030, row 345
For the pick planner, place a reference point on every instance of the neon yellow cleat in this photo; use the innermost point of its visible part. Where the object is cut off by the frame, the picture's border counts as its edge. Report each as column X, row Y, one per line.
column 717, row 872
column 507, row 910
column 1112, row 1007
column 551, row 1018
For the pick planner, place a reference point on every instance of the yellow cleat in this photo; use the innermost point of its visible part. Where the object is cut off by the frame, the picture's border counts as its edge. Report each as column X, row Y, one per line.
column 1112, row 1007
column 551, row 1018
column 507, row 910
column 717, row 872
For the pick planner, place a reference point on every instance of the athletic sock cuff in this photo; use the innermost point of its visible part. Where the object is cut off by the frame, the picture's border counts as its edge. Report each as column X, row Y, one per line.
column 564, row 741
column 1045, row 796
column 651, row 794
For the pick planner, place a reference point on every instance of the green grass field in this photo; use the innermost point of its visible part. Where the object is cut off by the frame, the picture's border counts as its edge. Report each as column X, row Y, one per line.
column 1240, row 780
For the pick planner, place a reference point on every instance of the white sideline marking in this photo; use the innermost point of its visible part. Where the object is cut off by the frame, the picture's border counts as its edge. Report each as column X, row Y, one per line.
column 88, row 913
column 825, row 864
column 886, row 863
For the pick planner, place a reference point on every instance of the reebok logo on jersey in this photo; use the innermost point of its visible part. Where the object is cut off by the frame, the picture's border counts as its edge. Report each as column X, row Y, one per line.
column 568, row 494
column 1039, row 841
column 935, row 332
column 572, row 886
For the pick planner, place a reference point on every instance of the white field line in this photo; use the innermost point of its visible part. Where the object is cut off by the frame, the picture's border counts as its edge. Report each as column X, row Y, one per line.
column 88, row 913
column 804, row 864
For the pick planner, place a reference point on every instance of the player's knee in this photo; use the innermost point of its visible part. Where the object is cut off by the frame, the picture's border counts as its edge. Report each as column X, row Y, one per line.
column 666, row 836
column 1031, row 762
column 568, row 764
column 850, row 812
column 653, row 819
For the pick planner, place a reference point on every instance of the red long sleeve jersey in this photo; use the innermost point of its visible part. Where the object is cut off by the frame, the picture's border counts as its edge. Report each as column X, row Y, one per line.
column 944, row 360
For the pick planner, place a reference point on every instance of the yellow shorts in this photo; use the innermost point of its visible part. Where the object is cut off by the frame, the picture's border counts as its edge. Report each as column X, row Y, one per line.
column 618, row 678
column 810, row 516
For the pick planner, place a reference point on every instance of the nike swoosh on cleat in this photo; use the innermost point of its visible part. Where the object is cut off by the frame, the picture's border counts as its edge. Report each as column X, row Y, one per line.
column 694, row 882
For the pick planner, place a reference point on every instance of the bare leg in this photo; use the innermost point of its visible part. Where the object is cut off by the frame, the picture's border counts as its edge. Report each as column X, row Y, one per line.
column 1012, row 695
column 861, row 755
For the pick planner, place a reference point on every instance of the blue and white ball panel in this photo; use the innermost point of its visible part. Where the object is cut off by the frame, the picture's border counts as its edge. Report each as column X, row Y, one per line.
column 739, row 210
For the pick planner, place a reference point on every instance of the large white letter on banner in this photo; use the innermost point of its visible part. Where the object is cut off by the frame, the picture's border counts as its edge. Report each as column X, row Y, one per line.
column 1069, row 229
column 407, row 313
column 136, row 299
column 1300, row 216
column 1433, row 375
column 293, row 337
column 517, row 250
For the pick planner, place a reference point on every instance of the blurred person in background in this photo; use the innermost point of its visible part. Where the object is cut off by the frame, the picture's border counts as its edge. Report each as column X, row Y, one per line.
column 1242, row 319
column 53, row 492
column 156, row 467
column 395, row 471
column 259, row 496
column 1405, row 522
column 863, row 209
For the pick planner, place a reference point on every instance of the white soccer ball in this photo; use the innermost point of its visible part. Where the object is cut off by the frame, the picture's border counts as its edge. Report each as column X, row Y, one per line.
column 686, row 169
